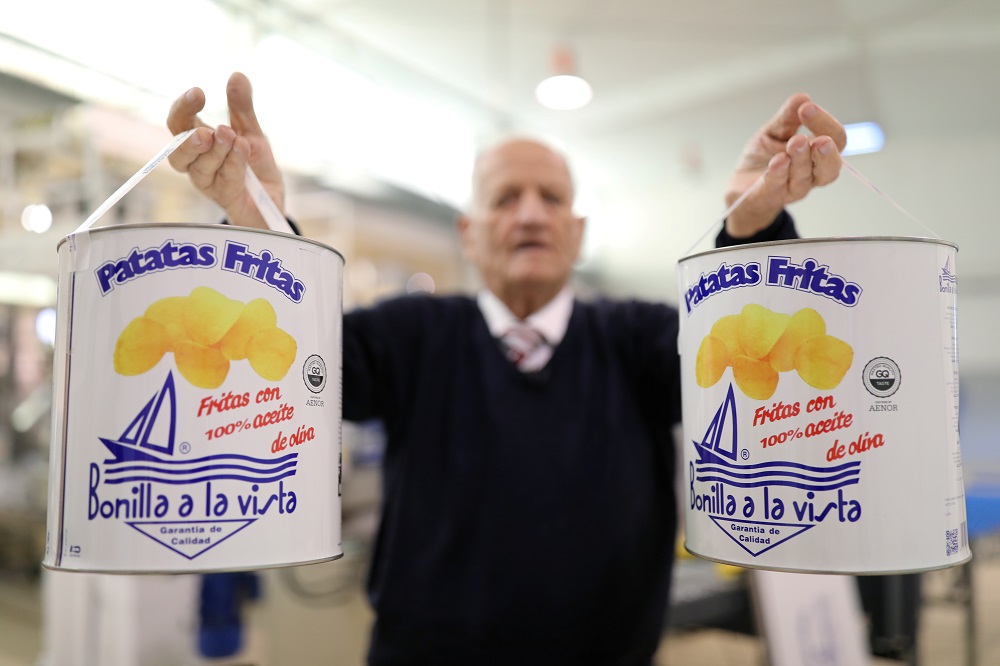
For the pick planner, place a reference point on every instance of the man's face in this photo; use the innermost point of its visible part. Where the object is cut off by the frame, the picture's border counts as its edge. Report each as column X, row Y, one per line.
column 520, row 231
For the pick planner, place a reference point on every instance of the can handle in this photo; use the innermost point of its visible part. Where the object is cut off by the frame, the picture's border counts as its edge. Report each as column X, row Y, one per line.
column 850, row 168
column 272, row 216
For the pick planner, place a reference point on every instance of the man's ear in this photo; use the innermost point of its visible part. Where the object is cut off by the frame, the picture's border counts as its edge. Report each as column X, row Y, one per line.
column 463, row 224
column 581, row 228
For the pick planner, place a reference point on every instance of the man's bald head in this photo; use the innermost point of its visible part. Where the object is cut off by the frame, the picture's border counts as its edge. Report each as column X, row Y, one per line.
column 519, row 149
column 520, row 230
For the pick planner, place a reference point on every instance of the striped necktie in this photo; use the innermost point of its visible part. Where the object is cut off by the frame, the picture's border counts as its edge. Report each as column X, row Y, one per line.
column 526, row 348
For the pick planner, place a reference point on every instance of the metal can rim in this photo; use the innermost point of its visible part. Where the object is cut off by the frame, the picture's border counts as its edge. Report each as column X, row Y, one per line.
column 214, row 227
column 822, row 240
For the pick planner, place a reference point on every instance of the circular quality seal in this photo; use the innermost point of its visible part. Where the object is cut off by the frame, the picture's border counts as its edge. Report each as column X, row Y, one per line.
column 314, row 373
column 881, row 377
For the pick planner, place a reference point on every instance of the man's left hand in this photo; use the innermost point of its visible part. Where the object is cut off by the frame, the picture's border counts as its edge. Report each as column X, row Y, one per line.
column 791, row 163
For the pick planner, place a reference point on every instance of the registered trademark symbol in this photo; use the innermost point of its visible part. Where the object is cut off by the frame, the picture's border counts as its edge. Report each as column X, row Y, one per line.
column 185, row 447
column 745, row 454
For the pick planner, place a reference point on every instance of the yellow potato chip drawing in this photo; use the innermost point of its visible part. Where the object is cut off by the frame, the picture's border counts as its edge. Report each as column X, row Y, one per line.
column 756, row 378
column 823, row 361
column 170, row 312
column 759, row 329
column 140, row 346
column 256, row 316
column 206, row 330
column 271, row 352
column 209, row 315
column 804, row 324
column 727, row 329
column 711, row 362
column 204, row 367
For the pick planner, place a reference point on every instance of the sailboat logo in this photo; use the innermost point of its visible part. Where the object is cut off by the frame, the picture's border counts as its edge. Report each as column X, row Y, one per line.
column 717, row 463
column 947, row 281
column 145, row 455
column 145, row 452
column 147, row 433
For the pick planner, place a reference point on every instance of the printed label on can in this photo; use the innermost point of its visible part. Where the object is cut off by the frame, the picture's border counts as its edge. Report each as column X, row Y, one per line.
column 820, row 390
column 199, row 427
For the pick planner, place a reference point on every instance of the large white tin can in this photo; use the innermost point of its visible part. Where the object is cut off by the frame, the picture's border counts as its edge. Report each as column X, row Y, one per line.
column 820, row 398
column 196, row 412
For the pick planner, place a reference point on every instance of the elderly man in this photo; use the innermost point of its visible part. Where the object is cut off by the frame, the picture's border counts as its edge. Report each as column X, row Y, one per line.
column 528, row 512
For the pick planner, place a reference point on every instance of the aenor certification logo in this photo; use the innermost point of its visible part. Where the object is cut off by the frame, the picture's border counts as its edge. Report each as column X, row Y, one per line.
column 314, row 373
column 881, row 377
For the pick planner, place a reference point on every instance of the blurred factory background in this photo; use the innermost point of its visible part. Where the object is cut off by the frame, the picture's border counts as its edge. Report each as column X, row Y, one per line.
column 375, row 109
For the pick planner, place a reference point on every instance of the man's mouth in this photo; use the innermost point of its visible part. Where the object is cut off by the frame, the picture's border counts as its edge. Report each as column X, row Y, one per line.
column 530, row 245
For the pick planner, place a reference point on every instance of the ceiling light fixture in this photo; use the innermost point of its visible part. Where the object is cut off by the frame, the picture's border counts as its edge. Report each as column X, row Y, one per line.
column 564, row 90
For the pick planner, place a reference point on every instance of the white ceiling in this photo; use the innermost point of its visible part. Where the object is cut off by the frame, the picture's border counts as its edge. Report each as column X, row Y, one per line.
column 650, row 60
column 679, row 85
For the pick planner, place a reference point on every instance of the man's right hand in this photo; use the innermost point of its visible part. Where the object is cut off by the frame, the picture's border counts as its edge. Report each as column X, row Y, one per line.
column 216, row 160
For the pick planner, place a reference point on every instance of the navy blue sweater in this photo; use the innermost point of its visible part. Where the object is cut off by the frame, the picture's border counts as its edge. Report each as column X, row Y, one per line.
column 527, row 519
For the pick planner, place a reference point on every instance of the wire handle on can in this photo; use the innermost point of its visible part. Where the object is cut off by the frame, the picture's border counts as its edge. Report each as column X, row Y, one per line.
column 853, row 170
column 272, row 216
column 850, row 168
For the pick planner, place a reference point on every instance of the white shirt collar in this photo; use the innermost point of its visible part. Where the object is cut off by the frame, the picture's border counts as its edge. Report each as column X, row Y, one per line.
column 551, row 321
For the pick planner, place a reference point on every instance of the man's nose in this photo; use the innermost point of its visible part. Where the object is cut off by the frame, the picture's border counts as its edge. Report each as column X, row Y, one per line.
column 531, row 208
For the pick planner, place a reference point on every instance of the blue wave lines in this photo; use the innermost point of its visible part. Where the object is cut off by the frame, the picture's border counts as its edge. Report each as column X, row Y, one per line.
column 772, row 473
column 192, row 461
column 816, row 487
column 198, row 470
column 779, row 464
column 207, row 468
column 213, row 477
column 779, row 473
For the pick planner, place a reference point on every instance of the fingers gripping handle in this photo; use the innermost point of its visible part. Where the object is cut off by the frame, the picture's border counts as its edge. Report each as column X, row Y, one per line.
column 268, row 210
column 851, row 169
column 265, row 204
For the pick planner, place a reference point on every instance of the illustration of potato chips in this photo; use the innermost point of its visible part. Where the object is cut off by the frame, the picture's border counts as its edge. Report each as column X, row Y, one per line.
column 823, row 361
column 209, row 315
column 804, row 324
column 271, row 352
column 140, row 346
column 256, row 316
column 203, row 366
column 759, row 329
column 727, row 329
column 170, row 313
column 760, row 344
column 756, row 378
column 711, row 362
column 206, row 331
